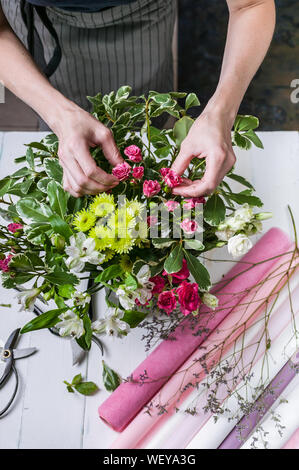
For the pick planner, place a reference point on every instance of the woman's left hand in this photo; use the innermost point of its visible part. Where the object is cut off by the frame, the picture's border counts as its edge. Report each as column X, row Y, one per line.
column 209, row 138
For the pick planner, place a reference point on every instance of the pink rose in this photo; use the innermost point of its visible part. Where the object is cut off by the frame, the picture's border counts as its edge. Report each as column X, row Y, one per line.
column 14, row 227
column 182, row 274
column 167, row 301
column 133, row 153
column 170, row 177
column 151, row 220
column 188, row 296
column 159, row 284
column 138, row 172
column 189, row 226
column 171, row 205
column 122, row 171
column 191, row 203
column 4, row 263
column 151, row 188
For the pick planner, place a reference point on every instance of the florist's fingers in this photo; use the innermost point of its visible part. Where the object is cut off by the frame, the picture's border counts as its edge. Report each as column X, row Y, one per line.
column 67, row 185
column 105, row 138
column 80, row 182
column 183, row 159
column 91, row 170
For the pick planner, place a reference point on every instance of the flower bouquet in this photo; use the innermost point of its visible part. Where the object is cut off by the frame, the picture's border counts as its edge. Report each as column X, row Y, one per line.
column 138, row 242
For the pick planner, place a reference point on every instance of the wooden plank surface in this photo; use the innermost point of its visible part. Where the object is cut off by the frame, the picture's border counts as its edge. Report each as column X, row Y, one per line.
column 44, row 414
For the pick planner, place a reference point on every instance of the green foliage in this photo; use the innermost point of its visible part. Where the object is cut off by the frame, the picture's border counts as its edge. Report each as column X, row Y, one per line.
column 84, row 388
column 111, row 379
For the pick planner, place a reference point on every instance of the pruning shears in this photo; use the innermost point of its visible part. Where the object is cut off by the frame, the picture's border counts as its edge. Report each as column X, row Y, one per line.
column 8, row 355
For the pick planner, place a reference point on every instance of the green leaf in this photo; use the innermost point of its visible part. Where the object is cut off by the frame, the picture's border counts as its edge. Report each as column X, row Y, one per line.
column 194, row 244
column 191, row 101
column 133, row 317
column 30, row 158
column 162, row 242
column 33, row 210
column 254, row 139
column 45, row 320
column 58, row 198
column 181, row 129
column 214, row 210
column 242, row 141
column 245, row 196
column 53, row 169
column 245, row 123
column 174, row 262
column 38, row 146
column 109, row 273
column 61, row 278
column 131, row 282
column 241, row 180
column 77, row 379
column 66, row 291
column 86, row 388
column 42, row 184
column 4, row 185
column 110, row 378
column 20, row 262
column 198, row 271
column 60, row 226
column 123, row 93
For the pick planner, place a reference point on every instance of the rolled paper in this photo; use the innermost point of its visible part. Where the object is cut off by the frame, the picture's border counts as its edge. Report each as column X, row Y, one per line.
column 246, row 425
column 178, row 386
column 178, row 430
column 293, row 442
column 212, row 434
column 130, row 397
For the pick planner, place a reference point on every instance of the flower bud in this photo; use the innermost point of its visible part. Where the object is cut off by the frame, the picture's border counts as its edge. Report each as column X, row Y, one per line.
column 58, row 241
column 263, row 215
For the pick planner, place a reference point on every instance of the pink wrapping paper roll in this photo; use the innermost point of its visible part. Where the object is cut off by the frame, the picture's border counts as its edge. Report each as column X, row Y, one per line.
column 293, row 442
column 180, row 434
column 129, row 398
column 230, row 327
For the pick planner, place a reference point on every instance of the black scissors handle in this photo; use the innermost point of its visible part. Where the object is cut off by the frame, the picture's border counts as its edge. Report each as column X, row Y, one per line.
column 8, row 405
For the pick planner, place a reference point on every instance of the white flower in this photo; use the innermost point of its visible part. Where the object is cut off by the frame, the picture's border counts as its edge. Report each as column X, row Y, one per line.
column 225, row 234
column 244, row 213
column 27, row 298
column 80, row 251
column 71, row 325
column 111, row 324
column 126, row 297
column 81, row 298
column 239, row 245
column 210, row 300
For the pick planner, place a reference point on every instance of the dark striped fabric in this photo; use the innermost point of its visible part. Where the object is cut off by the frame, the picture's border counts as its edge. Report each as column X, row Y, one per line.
column 126, row 45
column 79, row 5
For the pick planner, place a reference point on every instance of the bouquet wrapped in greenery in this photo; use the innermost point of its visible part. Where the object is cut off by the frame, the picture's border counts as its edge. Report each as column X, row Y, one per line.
column 139, row 241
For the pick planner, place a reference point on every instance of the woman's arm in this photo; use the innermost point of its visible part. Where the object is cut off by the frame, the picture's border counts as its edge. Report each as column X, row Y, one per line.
column 250, row 30
column 77, row 130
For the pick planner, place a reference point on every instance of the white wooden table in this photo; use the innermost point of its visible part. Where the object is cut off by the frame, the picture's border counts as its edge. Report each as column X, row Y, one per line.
column 44, row 414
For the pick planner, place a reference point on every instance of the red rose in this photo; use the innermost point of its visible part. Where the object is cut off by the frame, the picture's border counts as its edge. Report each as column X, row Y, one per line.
column 138, row 172
column 133, row 153
column 188, row 296
column 167, row 301
column 122, row 171
column 159, row 284
column 151, row 188
column 170, row 177
column 180, row 275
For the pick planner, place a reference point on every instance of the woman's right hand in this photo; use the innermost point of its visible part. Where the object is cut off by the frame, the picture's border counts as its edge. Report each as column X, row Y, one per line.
column 77, row 131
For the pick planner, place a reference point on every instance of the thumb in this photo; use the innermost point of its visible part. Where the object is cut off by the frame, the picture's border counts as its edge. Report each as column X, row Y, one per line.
column 104, row 138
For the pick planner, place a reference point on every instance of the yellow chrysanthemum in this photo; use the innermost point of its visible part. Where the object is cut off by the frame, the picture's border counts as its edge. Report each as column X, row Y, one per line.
column 122, row 222
column 126, row 264
column 103, row 237
column 123, row 244
column 108, row 255
column 84, row 220
column 136, row 208
column 102, row 205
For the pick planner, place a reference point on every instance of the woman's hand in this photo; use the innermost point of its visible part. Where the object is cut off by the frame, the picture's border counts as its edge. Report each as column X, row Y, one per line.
column 209, row 138
column 77, row 131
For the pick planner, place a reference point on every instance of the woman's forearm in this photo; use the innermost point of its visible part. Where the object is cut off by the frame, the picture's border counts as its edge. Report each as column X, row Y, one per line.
column 250, row 30
column 20, row 75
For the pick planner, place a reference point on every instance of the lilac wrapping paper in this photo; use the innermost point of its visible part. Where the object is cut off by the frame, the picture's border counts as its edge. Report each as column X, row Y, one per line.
column 247, row 424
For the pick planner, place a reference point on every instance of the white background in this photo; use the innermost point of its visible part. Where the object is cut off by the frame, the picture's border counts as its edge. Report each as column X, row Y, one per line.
column 44, row 414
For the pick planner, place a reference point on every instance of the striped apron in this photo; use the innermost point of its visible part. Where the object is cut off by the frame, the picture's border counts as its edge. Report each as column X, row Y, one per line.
column 128, row 44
